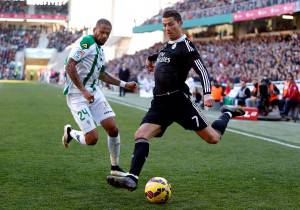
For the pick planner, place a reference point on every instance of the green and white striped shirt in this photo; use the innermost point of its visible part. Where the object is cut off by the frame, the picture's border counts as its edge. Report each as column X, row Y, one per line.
column 90, row 64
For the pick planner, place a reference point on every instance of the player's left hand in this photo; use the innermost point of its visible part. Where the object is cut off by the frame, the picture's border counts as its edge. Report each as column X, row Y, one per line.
column 131, row 86
column 208, row 100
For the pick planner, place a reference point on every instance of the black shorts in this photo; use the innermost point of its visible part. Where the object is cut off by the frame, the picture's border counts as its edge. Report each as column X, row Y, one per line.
column 176, row 107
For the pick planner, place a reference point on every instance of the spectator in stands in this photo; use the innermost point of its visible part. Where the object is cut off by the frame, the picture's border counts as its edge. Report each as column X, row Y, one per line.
column 235, row 60
column 242, row 95
column 252, row 101
column 124, row 74
column 191, row 9
column 228, row 88
column 273, row 94
column 268, row 96
column 13, row 7
column 13, row 39
column 62, row 38
column 52, row 9
column 291, row 97
column 217, row 94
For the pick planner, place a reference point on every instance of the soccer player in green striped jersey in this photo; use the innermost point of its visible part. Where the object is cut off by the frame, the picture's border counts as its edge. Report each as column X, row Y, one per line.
column 85, row 67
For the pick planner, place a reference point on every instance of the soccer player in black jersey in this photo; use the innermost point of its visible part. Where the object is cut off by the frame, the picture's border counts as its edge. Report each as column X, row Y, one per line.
column 171, row 101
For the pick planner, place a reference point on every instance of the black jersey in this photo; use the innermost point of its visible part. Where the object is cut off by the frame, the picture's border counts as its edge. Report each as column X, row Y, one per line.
column 173, row 63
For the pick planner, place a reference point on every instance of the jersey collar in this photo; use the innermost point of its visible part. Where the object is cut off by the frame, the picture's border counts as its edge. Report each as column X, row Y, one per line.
column 177, row 40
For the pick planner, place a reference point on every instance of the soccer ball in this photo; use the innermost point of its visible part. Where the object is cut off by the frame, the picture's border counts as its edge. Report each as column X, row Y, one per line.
column 158, row 190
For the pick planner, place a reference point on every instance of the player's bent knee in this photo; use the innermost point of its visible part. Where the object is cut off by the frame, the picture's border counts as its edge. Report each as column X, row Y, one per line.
column 91, row 138
column 113, row 132
column 209, row 135
column 213, row 140
column 91, row 141
column 139, row 135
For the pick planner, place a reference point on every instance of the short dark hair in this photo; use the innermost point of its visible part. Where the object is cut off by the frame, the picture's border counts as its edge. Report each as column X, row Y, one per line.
column 172, row 13
column 291, row 75
column 103, row 21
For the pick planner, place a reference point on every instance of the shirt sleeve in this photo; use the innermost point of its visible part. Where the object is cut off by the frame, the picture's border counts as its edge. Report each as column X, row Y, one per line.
column 196, row 63
column 78, row 52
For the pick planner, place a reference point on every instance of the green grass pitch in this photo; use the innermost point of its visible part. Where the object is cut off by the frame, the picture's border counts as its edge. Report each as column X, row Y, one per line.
column 36, row 172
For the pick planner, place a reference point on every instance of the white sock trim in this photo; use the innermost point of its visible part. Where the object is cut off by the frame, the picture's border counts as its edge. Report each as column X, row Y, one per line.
column 78, row 136
column 229, row 113
column 113, row 144
column 135, row 176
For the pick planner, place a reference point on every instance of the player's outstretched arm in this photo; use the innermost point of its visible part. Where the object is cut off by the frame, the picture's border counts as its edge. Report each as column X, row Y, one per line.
column 108, row 78
column 72, row 72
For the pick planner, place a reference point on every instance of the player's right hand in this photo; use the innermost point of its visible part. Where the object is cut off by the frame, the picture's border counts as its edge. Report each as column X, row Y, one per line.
column 87, row 95
column 131, row 86
column 150, row 65
column 208, row 100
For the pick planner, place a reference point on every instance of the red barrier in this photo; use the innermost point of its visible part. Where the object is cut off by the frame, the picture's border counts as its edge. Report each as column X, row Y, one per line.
column 33, row 16
column 251, row 114
column 265, row 12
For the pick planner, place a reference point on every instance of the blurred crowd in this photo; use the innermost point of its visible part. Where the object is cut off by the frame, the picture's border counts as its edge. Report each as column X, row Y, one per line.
column 271, row 99
column 52, row 9
column 20, row 7
column 16, row 38
column 234, row 60
column 13, row 39
column 135, row 63
column 259, row 60
column 249, row 58
column 60, row 39
column 15, row 7
column 191, row 9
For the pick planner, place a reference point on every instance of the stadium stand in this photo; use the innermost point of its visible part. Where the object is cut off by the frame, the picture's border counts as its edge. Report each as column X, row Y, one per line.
column 236, row 60
column 16, row 7
column 21, row 7
column 13, row 39
column 192, row 9
column 52, row 9
column 62, row 38
column 22, row 26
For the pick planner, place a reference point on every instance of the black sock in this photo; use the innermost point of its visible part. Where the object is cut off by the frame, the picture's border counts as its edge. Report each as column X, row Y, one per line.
column 140, row 154
column 221, row 123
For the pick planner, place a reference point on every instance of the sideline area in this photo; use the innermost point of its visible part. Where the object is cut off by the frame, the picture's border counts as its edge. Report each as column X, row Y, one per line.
column 284, row 133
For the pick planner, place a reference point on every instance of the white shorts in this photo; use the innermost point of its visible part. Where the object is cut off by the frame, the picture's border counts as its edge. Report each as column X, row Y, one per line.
column 88, row 115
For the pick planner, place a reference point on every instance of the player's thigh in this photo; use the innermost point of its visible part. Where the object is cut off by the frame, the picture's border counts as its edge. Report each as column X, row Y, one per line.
column 157, row 119
column 110, row 126
column 147, row 131
column 189, row 115
column 209, row 134
column 101, row 109
column 81, row 113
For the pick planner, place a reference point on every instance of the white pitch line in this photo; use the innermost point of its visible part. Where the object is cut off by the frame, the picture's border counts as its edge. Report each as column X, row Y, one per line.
column 262, row 138
column 127, row 104
column 228, row 129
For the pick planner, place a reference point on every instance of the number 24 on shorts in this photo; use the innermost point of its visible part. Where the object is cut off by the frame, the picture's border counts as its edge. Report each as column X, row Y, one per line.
column 82, row 114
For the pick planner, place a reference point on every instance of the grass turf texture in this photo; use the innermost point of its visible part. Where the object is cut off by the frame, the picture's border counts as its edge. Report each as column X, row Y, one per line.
column 36, row 172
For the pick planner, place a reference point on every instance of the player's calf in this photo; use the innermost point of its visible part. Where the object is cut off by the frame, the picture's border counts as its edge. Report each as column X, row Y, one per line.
column 209, row 135
column 228, row 112
column 91, row 138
